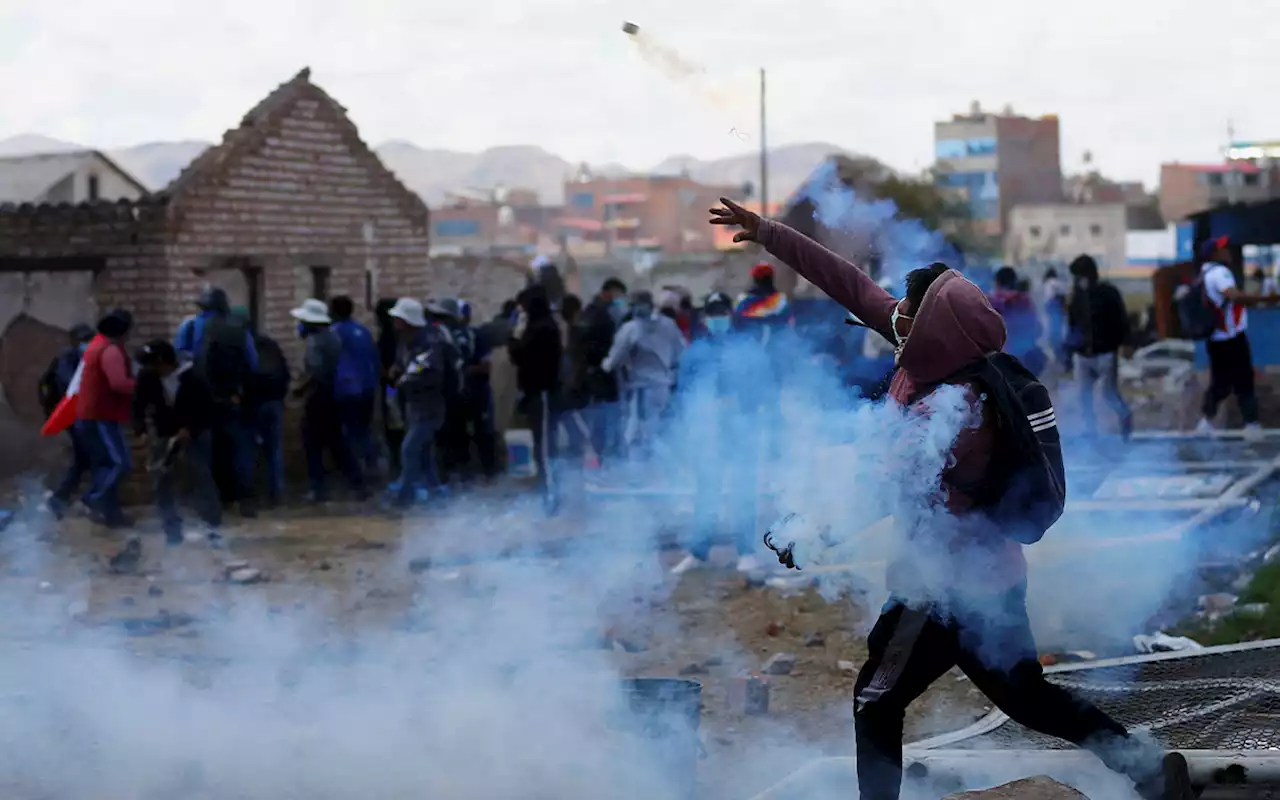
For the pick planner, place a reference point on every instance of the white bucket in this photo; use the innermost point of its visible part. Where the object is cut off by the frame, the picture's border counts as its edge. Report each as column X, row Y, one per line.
column 520, row 460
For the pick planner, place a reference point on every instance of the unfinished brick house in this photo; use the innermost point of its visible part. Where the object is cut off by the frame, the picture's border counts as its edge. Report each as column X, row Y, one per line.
column 291, row 204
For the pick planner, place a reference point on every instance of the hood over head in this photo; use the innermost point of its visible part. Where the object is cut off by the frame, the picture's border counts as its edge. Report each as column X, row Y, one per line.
column 215, row 300
column 954, row 326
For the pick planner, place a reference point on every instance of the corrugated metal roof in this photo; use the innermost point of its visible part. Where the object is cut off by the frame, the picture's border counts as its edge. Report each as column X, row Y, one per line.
column 28, row 179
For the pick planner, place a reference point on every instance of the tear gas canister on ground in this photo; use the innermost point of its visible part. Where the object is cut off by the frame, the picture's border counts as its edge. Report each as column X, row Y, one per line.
column 663, row 716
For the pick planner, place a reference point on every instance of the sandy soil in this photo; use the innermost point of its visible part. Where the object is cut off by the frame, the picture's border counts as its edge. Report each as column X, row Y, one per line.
column 352, row 568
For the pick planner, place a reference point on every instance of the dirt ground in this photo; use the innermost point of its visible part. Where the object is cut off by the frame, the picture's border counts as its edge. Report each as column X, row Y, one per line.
column 709, row 625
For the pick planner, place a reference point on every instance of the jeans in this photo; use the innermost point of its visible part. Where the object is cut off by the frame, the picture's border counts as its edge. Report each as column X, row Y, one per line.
column 540, row 410
column 418, row 459
column 197, row 454
column 1089, row 370
column 81, row 465
column 910, row 648
column 228, row 429
column 355, row 415
column 646, row 406
column 111, row 460
column 270, row 431
column 1231, row 372
column 604, row 421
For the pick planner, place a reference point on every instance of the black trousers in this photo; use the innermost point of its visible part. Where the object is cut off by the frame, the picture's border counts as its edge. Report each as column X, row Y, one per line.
column 1231, row 372
column 910, row 649
column 540, row 411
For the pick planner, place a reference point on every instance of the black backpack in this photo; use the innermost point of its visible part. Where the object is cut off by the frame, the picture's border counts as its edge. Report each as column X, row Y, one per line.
column 1197, row 315
column 223, row 360
column 271, row 378
column 1025, row 489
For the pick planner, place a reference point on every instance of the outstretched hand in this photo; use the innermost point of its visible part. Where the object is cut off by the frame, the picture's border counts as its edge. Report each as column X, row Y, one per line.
column 733, row 214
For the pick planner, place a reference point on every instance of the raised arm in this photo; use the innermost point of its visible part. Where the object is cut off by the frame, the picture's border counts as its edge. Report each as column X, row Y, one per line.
column 842, row 280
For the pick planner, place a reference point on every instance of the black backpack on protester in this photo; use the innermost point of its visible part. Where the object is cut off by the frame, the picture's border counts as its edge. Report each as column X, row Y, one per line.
column 222, row 359
column 1197, row 315
column 1025, row 489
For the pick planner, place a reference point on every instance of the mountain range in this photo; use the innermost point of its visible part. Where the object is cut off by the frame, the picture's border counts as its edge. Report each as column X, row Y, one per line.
column 433, row 173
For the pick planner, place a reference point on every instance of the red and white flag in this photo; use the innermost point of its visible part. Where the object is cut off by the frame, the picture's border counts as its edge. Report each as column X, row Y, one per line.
column 65, row 413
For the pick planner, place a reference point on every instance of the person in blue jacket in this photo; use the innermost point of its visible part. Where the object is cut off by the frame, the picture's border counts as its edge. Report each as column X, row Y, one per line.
column 721, row 402
column 355, row 388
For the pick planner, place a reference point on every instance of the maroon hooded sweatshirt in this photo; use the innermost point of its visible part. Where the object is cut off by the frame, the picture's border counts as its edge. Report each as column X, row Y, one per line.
column 954, row 327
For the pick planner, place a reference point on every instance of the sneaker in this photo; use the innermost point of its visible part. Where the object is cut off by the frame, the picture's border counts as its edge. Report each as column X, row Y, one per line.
column 1204, row 427
column 686, row 564
column 57, row 506
column 748, row 564
column 1173, row 782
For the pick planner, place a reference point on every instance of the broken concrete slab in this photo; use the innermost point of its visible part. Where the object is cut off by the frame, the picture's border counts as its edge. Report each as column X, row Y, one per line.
column 1041, row 787
column 779, row 664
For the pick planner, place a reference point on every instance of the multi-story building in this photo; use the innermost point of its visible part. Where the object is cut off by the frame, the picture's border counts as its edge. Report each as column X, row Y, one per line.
column 1250, row 174
column 665, row 213
column 501, row 222
column 997, row 161
column 1039, row 236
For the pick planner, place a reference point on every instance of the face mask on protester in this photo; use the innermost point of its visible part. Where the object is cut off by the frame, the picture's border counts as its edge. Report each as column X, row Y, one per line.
column 642, row 311
column 302, row 330
column 898, row 337
column 719, row 324
column 83, row 346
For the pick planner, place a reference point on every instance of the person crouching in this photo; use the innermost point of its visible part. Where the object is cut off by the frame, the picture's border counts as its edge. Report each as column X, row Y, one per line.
column 173, row 413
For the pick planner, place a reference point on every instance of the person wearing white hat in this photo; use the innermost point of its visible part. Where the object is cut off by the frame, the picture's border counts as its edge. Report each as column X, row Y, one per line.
column 418, row 380
column 320, row 423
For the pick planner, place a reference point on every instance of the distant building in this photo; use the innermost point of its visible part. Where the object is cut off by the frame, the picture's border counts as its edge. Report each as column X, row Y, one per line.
column 1250, row 174
column 646, row 213
column 998, row 161
column 497, row 223
column 80, row 176
column 1040, row 236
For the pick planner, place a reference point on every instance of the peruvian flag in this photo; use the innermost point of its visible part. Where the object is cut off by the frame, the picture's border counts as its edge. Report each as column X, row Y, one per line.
column 64, row 415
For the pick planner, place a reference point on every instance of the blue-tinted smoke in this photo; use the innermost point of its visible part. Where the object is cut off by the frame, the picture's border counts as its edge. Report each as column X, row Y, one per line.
column 901, row 244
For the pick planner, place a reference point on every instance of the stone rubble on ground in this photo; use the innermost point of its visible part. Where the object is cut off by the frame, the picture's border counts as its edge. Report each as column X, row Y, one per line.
column 847, row 667
column 1216, row 605
column 1040, row 787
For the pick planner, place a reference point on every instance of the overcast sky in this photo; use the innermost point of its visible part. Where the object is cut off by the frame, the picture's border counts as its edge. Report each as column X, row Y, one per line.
column 1135, row 81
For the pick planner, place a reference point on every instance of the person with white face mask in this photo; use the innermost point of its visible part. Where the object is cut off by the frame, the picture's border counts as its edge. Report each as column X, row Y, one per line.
column 720, row 406
column 645, row 355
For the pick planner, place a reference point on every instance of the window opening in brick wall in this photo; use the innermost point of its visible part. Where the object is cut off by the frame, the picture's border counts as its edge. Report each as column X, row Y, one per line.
column 1095, row 229
column 370, row 290
column 320, row 283
column 93, row 188
column 253, row 280
column 1064, row 230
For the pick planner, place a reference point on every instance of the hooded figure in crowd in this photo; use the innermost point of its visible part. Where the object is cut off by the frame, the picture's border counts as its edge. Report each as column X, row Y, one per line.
column 645, row 356
column 321, row 427
column 223, row 350
column 53, row 387
column 104, row 406
column 720, row 406
column 536, row 351
column 591, row 339
column 958, row 589
column 1099, row 323
column 453, row 441
column 1021, row 320
column 477, row 392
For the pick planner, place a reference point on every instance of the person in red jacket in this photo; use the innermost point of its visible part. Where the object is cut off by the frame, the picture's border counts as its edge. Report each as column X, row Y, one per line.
column 104, row 407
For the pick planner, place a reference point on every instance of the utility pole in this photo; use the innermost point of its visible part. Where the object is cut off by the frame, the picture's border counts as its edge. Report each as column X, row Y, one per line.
column 1231, row 172
column 764, row 152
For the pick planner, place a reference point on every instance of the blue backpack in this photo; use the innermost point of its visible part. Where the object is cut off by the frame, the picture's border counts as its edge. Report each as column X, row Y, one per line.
column 1197, row 315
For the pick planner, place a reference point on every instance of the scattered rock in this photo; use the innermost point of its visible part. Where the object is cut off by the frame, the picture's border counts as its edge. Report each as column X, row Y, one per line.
column 693, row 668
column 155, row 591
column 324, row 566
column 1040, row 787
column 1255, row 609
column 128, row 601
column 1241, row 583
column 774, row 629
column 419, row 565
column 779, row 664
column 1215, row 604
column 231, row 566
column 748, row 694
column 379, row 594
column 78, row 609
column 246, row 575
column 713, row 661
column 45, row 586
column 1272, row 554
column 816, row 639
column 364, row 544
column 847, row 667
column 127, row 560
